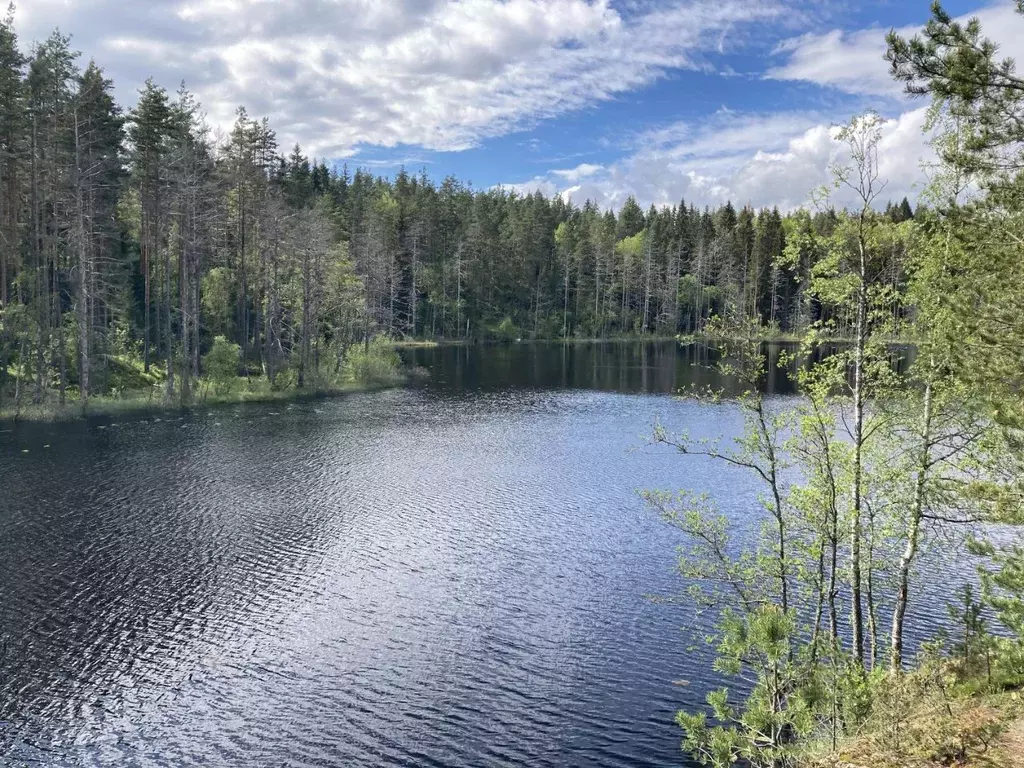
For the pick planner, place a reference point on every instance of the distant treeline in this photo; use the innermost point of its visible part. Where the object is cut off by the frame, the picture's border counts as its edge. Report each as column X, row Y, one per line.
column 133, row 234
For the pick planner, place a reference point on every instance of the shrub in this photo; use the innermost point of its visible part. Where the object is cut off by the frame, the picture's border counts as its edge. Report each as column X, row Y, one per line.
column 373, row 364
column 506, row 330
column 220, row 364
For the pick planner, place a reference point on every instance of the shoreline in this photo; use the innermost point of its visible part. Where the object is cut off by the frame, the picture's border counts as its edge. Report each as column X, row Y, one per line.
column 104, row 407
column 682, row 339
column 143, row 401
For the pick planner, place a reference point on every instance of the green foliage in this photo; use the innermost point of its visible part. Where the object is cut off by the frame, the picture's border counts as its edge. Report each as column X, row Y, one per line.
column 126, row 374
column 931, row 715
column 972, row 294
column 764, row 730
column 631, row 248
column 718, row 575
column 506, row 330
column 373, row 364
column 880, row 457
column 221, row 364
column 217, row 292
column 954, row 64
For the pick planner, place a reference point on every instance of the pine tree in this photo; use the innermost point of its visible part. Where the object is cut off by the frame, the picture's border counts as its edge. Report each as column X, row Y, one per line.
column 13, row 148
column 96, row 181
column 148, row 129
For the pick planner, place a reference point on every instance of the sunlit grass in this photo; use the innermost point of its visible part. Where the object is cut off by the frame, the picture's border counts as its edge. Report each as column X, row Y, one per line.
column 373, row 367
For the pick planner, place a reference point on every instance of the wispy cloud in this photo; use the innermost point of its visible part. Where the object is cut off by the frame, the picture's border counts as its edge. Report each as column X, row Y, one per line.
column 778, row 158
column 852, row 61
column 439, row 74
column 761, row 159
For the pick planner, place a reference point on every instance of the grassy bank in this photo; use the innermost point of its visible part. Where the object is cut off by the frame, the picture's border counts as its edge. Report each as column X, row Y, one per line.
column 421, row 343
column 373, row 367
column 486, row 341
column 768, row 336
column 936, row 715
column 979, row 732
column 254, row 390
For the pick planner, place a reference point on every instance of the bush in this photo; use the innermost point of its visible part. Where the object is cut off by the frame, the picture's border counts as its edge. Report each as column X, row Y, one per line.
column 926, row 717
column 373, row 364
column 220, row 364
column 506, row 330
column 127, row 374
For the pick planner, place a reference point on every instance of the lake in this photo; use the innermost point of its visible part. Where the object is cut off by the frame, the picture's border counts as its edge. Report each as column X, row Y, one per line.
column 455, row 573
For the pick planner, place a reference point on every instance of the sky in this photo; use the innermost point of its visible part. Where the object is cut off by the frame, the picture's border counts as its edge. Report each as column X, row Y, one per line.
column 702, row 100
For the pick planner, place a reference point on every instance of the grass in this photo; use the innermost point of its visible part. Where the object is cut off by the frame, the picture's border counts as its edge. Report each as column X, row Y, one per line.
column 153, row 401
column 417, row 343
column 686, row 338
column 556, row 340
column 983, row 732
column 963, row 710
column 132, row 389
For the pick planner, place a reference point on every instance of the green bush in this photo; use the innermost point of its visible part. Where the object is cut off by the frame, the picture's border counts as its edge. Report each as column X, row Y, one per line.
column 220, row 364
column 506, row 330
column 125, row 374
column 373, row 364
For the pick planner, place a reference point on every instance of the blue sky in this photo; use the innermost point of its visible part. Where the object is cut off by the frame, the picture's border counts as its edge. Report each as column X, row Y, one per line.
column 603, row 131
column 664, row 99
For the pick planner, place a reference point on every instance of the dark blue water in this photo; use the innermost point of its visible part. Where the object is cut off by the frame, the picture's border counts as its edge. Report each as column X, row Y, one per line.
column 453, row 574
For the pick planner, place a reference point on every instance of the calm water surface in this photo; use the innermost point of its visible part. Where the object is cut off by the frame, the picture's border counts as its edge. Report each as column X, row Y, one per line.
column 451, row 574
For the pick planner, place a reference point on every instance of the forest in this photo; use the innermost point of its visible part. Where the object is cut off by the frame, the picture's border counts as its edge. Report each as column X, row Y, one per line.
column 132, row 239
column 141, row 250
column 876, row 477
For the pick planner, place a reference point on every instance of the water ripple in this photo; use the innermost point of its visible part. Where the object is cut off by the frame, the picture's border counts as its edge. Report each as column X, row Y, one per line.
column 408, row 578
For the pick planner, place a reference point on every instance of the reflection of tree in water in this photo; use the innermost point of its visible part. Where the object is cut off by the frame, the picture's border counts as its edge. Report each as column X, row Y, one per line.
column 629, row 366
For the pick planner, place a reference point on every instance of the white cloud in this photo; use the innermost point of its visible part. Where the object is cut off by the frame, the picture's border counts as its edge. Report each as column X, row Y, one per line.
column 448, row 74
column 760, row 159
column 441, row 74
column 852, row 62
column 581, row 171
column 568, row 193
column 727, row 134
column 778, row 159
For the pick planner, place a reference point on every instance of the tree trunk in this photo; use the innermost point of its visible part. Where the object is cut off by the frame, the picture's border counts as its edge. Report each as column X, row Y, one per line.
column 82, row 312
column 913, row 535
column 184, row 292
column 856, row 599
column 647, row 280
column 42, row 296
column 412, row 291
column 146, row 289
column 168, row 329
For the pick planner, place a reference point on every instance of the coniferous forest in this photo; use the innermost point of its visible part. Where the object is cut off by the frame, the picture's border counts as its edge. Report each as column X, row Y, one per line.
column 136, row 236
column 849, row 545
